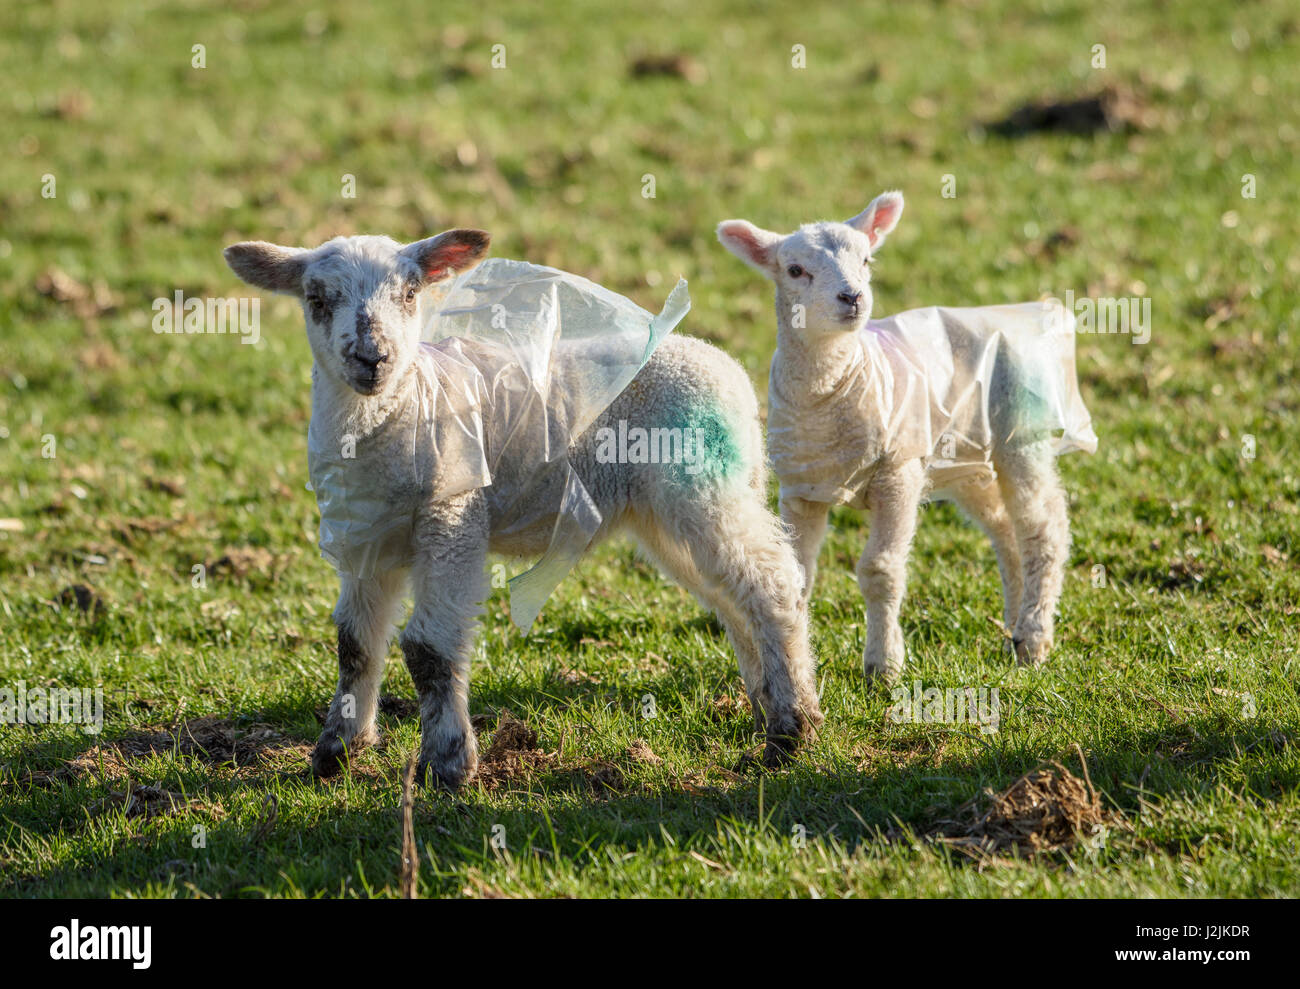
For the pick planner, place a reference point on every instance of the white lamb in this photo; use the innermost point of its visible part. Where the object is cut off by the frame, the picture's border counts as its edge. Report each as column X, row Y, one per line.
column 957, row 403
column 362, row 298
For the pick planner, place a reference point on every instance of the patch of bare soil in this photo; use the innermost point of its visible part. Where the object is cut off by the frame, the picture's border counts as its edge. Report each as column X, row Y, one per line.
column 1045, row 810
column 640, row 751
column 513, row 754
column 81, row 597
column 672, row 66
column 213, row 739
column 241, row 561
column 86, row 301
column 1115, row 109
column 728, row 706
column 148, row 802
column 604, row 777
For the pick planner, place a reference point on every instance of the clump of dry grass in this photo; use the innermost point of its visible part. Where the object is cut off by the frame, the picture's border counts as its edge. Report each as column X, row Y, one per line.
column 1047, row 809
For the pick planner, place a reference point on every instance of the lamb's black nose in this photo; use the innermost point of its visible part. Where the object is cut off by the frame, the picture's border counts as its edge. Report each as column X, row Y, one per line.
column 371, row 361
column 850, row 298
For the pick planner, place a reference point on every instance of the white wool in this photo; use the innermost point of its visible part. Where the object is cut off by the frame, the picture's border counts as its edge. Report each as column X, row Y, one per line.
column 976, row 402
column 433, row 430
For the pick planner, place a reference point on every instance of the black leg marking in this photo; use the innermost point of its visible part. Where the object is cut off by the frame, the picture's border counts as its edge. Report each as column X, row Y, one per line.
column 447, row 758
column 331, row 751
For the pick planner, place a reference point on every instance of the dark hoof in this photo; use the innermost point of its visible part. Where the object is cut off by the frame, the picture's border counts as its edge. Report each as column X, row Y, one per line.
column 786, row 736
column 331, row 753
column 780, row 751
column 446, row 776
column 327, row 758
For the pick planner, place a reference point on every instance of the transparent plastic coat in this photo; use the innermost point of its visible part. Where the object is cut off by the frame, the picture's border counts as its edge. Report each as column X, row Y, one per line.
column 941, row 384
column 518, row 361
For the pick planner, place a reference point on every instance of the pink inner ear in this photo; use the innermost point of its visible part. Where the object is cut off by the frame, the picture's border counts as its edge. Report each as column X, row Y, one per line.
column 453, row 256
column 744, row 236
column 883, row 221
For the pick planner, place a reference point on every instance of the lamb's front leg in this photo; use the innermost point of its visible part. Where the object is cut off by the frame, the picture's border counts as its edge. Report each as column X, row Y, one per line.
column 449, row 584
column 893, row 498
column 366, row 613
column 807, row 522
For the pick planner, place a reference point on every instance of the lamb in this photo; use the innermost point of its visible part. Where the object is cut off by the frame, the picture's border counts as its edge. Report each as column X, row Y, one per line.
column 711, row 530
column 954, row 403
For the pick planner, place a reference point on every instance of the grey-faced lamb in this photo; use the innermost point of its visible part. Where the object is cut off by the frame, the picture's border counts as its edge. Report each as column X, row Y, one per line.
column 362, row 299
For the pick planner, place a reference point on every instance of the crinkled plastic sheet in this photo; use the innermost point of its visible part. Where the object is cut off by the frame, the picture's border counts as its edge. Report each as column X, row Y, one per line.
column 938, row 383
column 518, row 361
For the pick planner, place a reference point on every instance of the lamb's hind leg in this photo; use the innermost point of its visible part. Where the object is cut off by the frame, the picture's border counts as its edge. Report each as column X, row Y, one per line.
column 741, row 551
column 982, row 501
column 674, row 559
column 366, row 614
column 1036, row 503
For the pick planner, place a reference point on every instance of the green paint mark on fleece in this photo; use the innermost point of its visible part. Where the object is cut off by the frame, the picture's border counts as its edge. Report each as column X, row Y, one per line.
column 1034, row 401
column 711, row 451
column 692, row 444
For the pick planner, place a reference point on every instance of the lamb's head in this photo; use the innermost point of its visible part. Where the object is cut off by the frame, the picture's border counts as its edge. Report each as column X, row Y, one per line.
column 822, row 271
column 361, row 296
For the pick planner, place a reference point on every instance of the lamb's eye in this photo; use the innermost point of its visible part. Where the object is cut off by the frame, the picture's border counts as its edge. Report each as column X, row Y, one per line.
column 794, row 271
column 410, row 296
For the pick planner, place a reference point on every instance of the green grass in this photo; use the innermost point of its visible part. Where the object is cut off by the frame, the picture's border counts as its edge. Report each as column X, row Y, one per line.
column 1178, row 678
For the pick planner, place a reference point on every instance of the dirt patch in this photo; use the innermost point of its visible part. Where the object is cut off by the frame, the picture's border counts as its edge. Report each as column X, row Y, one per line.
column 515, row 755
column 211, row 738
column 727, row 706
column 1045, row 810
column 1114, row 109
column 148, row 802
column 173, row 486
column 86, row 301
column 214, row 740
column 514, row 752
column 604, row 777
column 675, row 66
column 240, row 561
column 640, row 751
column 81, row 597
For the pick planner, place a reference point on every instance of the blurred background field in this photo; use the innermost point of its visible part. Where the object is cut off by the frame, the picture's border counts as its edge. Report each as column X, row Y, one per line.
column 1177, row 678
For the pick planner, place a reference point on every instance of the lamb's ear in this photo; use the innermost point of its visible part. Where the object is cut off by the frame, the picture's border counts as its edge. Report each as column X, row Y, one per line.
column 879, row 218
column 268, row 266
column 753, row 245
column 449, row 253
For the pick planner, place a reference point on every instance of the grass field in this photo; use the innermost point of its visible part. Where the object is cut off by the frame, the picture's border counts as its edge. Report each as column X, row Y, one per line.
column 1177, row 678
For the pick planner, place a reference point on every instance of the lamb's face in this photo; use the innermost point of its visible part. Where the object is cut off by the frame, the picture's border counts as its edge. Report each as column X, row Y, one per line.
column 361, row 296
column 823, row 278
column 361, row 301
column 822, row 270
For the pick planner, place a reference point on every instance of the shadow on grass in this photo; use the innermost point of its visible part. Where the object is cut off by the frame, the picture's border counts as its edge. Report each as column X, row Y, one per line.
column 592, row 807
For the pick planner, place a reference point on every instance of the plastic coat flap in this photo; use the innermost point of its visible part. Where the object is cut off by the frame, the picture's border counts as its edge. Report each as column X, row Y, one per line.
column 942, row 384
